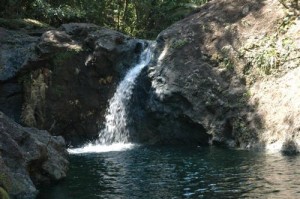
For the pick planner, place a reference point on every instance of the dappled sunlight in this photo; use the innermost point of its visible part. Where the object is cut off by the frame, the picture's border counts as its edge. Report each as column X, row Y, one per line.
column 276, row 102
column 36, row 23
column 163, row 53
column 62, row 40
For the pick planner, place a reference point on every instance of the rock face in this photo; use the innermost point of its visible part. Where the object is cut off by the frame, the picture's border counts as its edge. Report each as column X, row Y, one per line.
column 211, row 79
column 28, row 158
column 193, row 97
column 63, row 82
column 82, row 64
column 276, row 102
column 199, row 87
column 17, row 50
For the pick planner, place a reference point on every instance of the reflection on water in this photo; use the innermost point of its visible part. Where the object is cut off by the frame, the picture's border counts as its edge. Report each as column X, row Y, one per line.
column 149, row 172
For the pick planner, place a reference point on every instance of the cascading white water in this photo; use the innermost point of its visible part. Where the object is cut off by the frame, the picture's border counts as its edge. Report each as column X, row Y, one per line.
column 114, row 136
column 116, row 130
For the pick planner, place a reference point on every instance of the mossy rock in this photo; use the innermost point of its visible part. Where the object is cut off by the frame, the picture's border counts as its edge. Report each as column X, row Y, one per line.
column 179, row 43
column 5, row 181
column 3, row 194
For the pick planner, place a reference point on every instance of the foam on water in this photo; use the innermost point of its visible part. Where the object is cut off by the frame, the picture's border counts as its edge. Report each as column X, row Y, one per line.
column 93, row 148
column 114, row 136
column 116, row 118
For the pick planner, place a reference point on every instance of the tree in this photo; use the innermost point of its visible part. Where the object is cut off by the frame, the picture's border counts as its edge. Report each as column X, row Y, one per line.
column 140, row 18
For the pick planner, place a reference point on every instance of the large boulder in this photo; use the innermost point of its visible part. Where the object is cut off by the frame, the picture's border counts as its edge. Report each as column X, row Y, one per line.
column 17, row 50
column 77, row 70
column 200, row 86
column 29, row 158
column 62, row 80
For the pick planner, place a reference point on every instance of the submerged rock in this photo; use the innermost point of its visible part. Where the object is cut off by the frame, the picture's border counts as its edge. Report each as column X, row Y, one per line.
column 29, row 158
column 290, row 147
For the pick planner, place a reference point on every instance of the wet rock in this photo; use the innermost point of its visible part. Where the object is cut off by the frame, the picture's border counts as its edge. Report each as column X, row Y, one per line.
column 290, row 147
column 78, row 68
column 29, row 158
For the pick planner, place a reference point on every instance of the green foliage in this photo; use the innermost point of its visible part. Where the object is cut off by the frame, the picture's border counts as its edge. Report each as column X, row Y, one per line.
column 226, row 63
column 5, row 182
column 270, row 52
column 223, row 61
column 143, row 18
column 179, row 43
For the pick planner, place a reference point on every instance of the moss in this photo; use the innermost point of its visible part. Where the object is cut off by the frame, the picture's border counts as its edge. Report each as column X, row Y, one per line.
column 3, row 194
column 227, row 63
column 5, row 182
column 271, row 52
column 22, row 23
column 179, row 43
column 266, row 54
column 222, row 61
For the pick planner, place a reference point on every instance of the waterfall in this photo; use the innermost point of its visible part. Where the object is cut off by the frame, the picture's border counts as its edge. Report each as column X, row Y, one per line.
column 116, row 130
column 115, row 134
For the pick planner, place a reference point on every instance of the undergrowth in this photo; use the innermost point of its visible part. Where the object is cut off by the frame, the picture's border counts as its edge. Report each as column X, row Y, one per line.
column 271, row 52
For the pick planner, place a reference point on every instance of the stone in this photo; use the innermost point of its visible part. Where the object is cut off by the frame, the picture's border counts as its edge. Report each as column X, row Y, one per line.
column 79, row 66
column 17, row 49
column 194, row 90
column 11, row 99
column 290, row 147
column 29, row 157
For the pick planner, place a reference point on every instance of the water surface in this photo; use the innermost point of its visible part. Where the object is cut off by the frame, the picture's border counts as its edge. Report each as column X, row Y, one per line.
column 164, row 172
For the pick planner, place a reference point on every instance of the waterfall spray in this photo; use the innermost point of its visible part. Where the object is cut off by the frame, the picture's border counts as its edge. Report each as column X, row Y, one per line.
column 115, row 134
column 116, row 119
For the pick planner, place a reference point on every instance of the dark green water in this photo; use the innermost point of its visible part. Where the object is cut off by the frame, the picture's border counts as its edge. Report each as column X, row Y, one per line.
column 150, row 172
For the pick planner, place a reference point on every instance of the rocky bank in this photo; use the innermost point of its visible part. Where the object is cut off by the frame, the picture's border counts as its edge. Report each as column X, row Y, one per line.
column 28, row 158
column 225, row 75
column 213, row 79
column 57, row 80
column 62, row 80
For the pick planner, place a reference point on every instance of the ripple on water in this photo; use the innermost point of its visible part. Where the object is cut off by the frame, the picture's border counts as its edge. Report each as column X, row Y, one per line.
column 152, row 172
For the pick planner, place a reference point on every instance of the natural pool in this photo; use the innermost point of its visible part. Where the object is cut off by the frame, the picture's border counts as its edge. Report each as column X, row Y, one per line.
column 178, row 172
